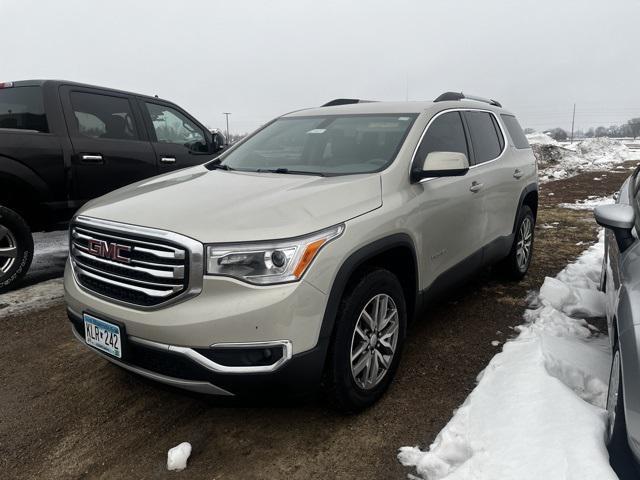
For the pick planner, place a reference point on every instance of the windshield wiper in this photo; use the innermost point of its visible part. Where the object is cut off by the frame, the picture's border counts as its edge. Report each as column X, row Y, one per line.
column 217, row 165
column 287, row 171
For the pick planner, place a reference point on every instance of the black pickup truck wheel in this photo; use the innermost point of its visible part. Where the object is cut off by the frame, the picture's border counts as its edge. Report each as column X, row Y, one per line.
column 16, row 248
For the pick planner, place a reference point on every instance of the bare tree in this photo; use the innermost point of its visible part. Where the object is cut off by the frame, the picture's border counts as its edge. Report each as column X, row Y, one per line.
column 634, row 127
column 558, row 134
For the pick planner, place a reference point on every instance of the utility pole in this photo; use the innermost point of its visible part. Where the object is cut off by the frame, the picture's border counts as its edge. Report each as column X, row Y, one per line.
column 573, row 121
column 226, row 114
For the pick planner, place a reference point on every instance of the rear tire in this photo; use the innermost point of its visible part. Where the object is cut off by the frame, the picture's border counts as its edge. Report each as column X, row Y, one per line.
column 516, row 264
column 367, row 343
column 16, row 248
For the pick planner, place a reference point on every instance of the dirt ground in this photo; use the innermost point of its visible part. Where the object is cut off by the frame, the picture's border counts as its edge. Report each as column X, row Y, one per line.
column 66, row 413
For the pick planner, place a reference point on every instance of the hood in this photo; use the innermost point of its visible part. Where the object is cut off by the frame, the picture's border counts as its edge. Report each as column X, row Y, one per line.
column 221, row 206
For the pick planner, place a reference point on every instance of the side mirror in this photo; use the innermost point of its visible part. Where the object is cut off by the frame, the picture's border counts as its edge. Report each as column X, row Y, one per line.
column 620, row 219
column 218, row 143
column 443, row 164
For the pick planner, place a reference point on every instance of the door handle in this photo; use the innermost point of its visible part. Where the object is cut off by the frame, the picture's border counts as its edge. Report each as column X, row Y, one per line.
column 476, row 187
column 91, row 158
column 168, row 160
column 517, row 173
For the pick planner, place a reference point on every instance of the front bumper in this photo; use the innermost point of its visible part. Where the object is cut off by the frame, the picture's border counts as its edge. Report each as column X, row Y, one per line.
column 226, row 311
column 298, row 375
column 169, row 344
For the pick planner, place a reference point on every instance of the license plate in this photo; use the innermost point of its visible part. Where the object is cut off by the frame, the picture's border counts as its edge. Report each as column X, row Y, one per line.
column 102, row 335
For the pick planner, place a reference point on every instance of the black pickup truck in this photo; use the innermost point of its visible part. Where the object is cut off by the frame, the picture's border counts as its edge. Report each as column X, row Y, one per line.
column 63, row 143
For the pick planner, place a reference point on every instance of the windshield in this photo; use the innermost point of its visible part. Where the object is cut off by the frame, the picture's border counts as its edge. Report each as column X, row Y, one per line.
column 324, row 145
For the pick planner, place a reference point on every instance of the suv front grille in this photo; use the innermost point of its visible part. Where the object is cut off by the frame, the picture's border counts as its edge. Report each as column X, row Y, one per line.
column 129, row 267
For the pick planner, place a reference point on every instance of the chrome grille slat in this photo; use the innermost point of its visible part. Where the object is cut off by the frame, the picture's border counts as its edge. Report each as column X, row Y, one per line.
column 135, row 261
column 176, row 273
column 175, row 253
column 137, row 266
column 146, row 291
column 122, row 278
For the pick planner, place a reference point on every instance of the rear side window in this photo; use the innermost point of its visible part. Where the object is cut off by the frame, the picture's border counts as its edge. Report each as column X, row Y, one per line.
column 22, row 108
column 445, row 134
column 103, row 116
column 484, row 136
column 515, row 131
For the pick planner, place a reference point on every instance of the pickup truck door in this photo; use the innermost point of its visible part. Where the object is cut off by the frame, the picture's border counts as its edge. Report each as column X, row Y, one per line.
column 178, row 140
column 111, row 148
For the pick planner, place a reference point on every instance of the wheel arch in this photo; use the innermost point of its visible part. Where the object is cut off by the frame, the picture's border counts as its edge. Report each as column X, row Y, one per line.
column 396, row 253
column 529, row 197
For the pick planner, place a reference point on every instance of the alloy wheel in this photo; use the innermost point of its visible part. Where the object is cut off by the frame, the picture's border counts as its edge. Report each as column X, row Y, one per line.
column 525, row 241
column 8, row 249
column 374, row 341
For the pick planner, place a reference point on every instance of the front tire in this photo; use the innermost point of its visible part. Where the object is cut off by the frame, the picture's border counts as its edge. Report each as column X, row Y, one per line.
column 617, row 429
column 16, row 248
column 367, row 344
column 516, row 264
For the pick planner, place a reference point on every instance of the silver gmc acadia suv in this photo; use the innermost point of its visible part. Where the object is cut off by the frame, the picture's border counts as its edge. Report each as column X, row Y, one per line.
column 295, row 259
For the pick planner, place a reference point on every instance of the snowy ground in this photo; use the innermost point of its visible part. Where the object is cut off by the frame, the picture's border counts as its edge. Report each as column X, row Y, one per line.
column 42, row 286
column 538, row 409
column 561, row 160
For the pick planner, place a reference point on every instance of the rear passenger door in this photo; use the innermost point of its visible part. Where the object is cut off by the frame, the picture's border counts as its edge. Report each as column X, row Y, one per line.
column 178, row 140
column 110, row 145
column 493, row 199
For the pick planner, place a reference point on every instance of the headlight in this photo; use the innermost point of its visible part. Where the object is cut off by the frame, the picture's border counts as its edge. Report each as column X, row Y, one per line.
column 265, row 263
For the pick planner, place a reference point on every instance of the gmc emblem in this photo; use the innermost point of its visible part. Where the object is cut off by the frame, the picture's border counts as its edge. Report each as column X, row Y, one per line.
column 110, row 250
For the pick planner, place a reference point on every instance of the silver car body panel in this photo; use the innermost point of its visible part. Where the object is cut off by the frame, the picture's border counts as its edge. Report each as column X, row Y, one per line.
column 622, row 285
column 445, row 221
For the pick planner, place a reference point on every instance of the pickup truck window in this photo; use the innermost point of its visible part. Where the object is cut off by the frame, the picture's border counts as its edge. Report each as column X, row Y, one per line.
column 22, row 108
column 171, row 126
column 103, row 116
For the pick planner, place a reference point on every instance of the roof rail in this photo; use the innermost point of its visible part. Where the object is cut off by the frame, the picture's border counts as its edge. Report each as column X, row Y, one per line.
column 453, row 96
column 345, row 101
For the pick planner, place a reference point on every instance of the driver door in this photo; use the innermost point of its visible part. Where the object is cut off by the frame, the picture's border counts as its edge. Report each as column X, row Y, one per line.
column 178, row 140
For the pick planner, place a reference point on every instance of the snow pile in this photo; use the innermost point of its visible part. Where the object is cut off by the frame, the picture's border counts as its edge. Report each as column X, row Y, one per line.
column 589, row 204
column 540, row 139
column 556, row 161
column 34, row 297
column 177, row 456
column 538, row 409
column 602, row 150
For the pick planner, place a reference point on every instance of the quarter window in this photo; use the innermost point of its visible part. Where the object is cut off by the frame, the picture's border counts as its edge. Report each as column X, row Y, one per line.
column 171, row 126
column 484, row 136
column 515, row 131
column 22, row 108
column 445, row 134
column 103, row 116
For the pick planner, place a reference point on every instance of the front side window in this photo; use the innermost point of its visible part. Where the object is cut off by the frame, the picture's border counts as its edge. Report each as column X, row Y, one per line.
column 103, row 116
column 445, row 134
column 323, row 145
column 22, row 108
column 171, row 126
column 484, row 136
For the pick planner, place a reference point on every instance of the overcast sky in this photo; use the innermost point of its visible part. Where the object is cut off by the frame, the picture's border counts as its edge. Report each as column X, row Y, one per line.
column 258, row 59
